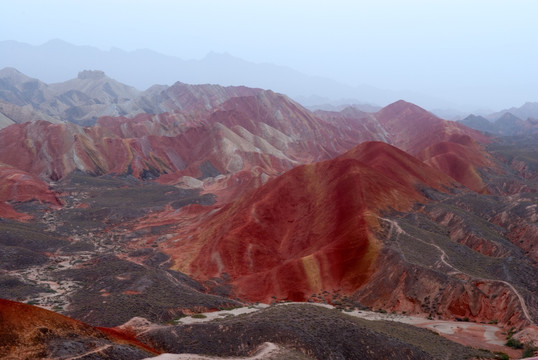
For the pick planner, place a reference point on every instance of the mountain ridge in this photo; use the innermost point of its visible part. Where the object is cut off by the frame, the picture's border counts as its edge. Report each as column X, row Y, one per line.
column 504, row 124
column 230, row 71
column 200, row 106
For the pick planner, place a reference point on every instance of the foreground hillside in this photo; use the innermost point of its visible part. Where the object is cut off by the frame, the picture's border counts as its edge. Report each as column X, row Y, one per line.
column 291, row 331
column 205, row 198
column 29, row 332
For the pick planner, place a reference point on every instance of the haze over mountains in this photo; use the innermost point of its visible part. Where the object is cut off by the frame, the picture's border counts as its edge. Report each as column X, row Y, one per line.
column 506, row 124
column 269, row 179
column 59, row 61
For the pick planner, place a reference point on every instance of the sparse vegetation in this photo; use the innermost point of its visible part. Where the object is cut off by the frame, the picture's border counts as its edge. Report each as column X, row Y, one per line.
column 155, row 295
column 198, row 316
column 529, row 351
column 514, row 343
column 510, row 333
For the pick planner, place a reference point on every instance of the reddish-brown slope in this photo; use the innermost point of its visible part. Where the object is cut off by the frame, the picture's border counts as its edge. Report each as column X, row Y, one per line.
column 397, row 285
column 451, row 147
column 460, row 158
column 413, row 129
column 26, row 331
column 448, row 146
column 18, row 186
column 258, row 132
column 53, row 151
column 364, row 125
column 286, row 126
column 200, row 98
column 308, row 230
column 251, row 129
column 165, row 124
column 39, row 148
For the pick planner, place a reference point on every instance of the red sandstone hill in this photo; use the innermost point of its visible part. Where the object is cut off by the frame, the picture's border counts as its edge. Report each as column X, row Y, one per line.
column 446, row 145
column 18, row 186
column 259, row 135
column 30, row 332
column 263, row 132
column 271, row 124
column 449, row 146
column 322, row 228
column 407, row 125
column 311, row 228
column 210, row 127
column 200, row 98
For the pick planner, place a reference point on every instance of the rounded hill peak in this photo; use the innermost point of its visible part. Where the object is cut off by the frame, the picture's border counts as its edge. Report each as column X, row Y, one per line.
column 402, row 105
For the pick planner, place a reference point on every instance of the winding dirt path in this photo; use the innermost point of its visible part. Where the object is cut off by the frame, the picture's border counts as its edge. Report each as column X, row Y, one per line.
column 443, row 258
column 265, row 350
column 98, row 350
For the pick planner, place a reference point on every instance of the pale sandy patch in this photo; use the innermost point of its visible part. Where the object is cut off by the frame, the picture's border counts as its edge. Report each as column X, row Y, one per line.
column 209, row 316
column 263, row 351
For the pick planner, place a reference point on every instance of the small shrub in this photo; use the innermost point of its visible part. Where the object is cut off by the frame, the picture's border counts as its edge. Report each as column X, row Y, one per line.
column 494, row 321
column 511, row 332
column 198, row 316
column 528, row 352
column 514, row 343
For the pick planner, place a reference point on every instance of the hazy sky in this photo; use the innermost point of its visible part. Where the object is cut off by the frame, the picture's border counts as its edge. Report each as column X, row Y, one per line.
column 482, row 52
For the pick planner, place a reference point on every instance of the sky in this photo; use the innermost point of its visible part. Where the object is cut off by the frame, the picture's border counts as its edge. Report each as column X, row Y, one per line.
column 472, row 52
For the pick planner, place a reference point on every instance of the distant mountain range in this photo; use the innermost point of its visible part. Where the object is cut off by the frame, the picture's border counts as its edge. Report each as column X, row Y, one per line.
column 513, row 121
column 60, row 61
column 528, row 110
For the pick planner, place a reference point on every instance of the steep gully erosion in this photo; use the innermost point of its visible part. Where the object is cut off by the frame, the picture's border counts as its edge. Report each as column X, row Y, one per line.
column 262, row 130
column 440, row 289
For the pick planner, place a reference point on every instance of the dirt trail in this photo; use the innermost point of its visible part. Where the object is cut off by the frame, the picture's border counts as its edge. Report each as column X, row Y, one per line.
column 444, row 256
column 98, row 350
column 221, row 314
column 265, row 350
